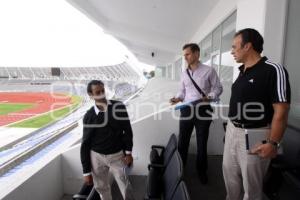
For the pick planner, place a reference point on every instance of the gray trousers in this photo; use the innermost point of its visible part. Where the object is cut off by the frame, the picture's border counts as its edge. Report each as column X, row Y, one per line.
column 101, row 166
column 243, row 172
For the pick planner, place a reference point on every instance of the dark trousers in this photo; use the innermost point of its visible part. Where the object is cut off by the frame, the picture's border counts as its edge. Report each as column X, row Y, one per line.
column 200, row 118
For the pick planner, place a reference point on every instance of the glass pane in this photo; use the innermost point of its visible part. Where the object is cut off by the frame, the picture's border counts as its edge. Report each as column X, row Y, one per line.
column 178, row 64
column 228, row 32
column 201, row 50
column 163, row 72
column 215, row 62
column 227, row 61
column 160, row 71
column 169, row 71
column 216, row 39
column 206, row 50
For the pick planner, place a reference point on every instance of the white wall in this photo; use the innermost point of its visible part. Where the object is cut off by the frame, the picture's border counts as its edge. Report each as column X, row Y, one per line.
column 251, row 14
column 46, row 184
column 269, row 18
column 71, row 170
column 275, row 29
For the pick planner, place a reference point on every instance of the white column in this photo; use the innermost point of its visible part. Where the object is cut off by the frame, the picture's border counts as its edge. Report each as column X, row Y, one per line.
column 269, row 18
column 275, row 29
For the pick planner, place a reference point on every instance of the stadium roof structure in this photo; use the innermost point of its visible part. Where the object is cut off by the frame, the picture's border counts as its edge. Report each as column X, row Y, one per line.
column 153, row 30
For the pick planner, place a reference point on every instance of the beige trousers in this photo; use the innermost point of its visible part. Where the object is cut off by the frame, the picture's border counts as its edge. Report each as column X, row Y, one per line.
column 101, row 166
column 243, row 173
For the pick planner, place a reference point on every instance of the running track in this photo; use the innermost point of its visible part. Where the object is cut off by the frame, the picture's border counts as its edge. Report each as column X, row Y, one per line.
column 43, row 102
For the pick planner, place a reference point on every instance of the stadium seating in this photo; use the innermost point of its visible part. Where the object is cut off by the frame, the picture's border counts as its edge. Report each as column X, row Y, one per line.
column 164, row 186
column 165, row 154
column 120, row 72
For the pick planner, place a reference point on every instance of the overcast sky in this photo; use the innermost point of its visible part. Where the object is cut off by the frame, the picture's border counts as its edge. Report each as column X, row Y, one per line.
column 53, row 33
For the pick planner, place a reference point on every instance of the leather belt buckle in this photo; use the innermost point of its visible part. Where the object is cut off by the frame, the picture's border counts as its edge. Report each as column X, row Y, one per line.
column 238, row 125
column 249, row 126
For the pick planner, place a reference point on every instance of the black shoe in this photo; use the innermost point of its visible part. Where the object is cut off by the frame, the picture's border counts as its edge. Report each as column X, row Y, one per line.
column 203, row 178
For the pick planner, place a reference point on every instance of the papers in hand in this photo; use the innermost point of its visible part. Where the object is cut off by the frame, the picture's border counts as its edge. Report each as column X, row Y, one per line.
column 182, row 105
column 255, row 137
column 190, row 103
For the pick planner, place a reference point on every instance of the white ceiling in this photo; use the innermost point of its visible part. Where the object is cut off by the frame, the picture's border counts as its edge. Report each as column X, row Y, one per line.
column 146, row 26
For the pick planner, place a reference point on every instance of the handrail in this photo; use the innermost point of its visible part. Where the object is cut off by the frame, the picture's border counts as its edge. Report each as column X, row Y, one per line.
column 4, row 168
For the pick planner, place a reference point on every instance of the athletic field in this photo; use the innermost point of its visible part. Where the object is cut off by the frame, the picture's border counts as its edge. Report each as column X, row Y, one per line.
column 34, row 109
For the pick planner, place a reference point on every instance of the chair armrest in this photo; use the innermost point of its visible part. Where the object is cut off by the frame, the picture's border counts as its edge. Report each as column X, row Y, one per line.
column 79, row 196
column 155, row 166
column 157, row 147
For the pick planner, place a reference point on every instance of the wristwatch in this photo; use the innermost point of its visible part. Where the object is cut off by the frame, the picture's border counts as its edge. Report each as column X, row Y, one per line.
column 272, row 142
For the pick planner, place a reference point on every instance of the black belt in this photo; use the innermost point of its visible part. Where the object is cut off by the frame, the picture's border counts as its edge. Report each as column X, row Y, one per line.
column 249, row 125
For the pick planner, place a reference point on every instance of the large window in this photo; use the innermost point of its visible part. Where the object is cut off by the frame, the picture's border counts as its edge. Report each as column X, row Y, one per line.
column 215, row 51
column 160, row 71
column 169, row 71
column 178, row 70
column 227, row 62
column 206, row 49
column 216, row 39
